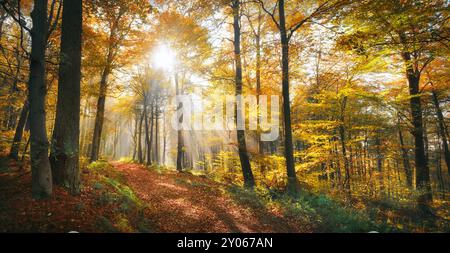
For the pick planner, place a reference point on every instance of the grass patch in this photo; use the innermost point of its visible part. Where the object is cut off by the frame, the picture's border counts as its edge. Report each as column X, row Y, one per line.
column 124, row 191
column 114, row 193
column 325, row 214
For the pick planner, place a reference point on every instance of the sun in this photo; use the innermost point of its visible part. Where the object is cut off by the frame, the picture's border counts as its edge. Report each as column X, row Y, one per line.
column 163, row 57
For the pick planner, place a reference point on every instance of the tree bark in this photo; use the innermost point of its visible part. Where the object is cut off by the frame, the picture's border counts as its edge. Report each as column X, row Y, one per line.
column 292, row 184
column 40, row 165
column 64, row 156
column 249, row 180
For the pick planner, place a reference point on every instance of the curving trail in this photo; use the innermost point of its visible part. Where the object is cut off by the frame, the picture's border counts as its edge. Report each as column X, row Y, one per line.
column 181, row 202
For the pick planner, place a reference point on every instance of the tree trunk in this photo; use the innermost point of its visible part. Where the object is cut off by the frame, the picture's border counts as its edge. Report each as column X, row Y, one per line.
column 406, row 164
column 292, row 185
column 379, row 157
column 442, row 129
column 99, row 117
column 258, row 76
column 64, row 155
column 147, row 135
column 422, row 170
column 139, row 139
column 249, row 180
column 164, row 140
column 14, row 152
column 343, row 144
column 156, row 135
column 135, row 131
column 40, row 165
column 180, row 142
column 150, row 151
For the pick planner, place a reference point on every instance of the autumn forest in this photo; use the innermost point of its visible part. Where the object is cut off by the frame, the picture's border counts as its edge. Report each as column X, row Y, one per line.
column 224, row 116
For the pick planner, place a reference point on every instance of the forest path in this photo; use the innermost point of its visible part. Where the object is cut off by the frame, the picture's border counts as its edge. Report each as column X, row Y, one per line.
column 182, row 202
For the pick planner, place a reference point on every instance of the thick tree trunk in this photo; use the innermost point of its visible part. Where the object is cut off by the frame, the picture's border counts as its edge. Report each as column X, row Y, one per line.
column 292, row 185
column 442, row 129
column 40, row 165
column 14, row 152
column 249, row 180
column 64, row 156
column 422, row 170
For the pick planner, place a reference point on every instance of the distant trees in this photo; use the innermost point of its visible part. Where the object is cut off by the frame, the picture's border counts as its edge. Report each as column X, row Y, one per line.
column 287, row 25
column 150, row 86
column 114, row 23
column 414, row 30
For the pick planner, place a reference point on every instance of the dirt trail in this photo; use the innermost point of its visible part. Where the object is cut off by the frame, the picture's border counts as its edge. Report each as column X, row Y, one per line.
column 181, row 202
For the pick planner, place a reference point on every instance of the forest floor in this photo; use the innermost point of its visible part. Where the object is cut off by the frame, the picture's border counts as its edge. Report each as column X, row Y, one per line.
column 127, row 197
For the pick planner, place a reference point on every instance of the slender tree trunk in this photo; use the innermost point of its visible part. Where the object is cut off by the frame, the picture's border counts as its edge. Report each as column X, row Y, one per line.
column 422, row 170
column 164, row 140
column 425, row 136
column 139, row 139
column 40, row 165
column 442, row 129
column 379, row 157
column 14, row 152
column 156, row 135
column 99, row 117
column 249, row 180
column 150, row 151
column 135, row 134
column 180, row 142
column 258, row 75
column 439, row 170
column 406, row 164
column 147, row 135
column 343, row 144
column 292, row 185
column 64, row 156
column 83, row 129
